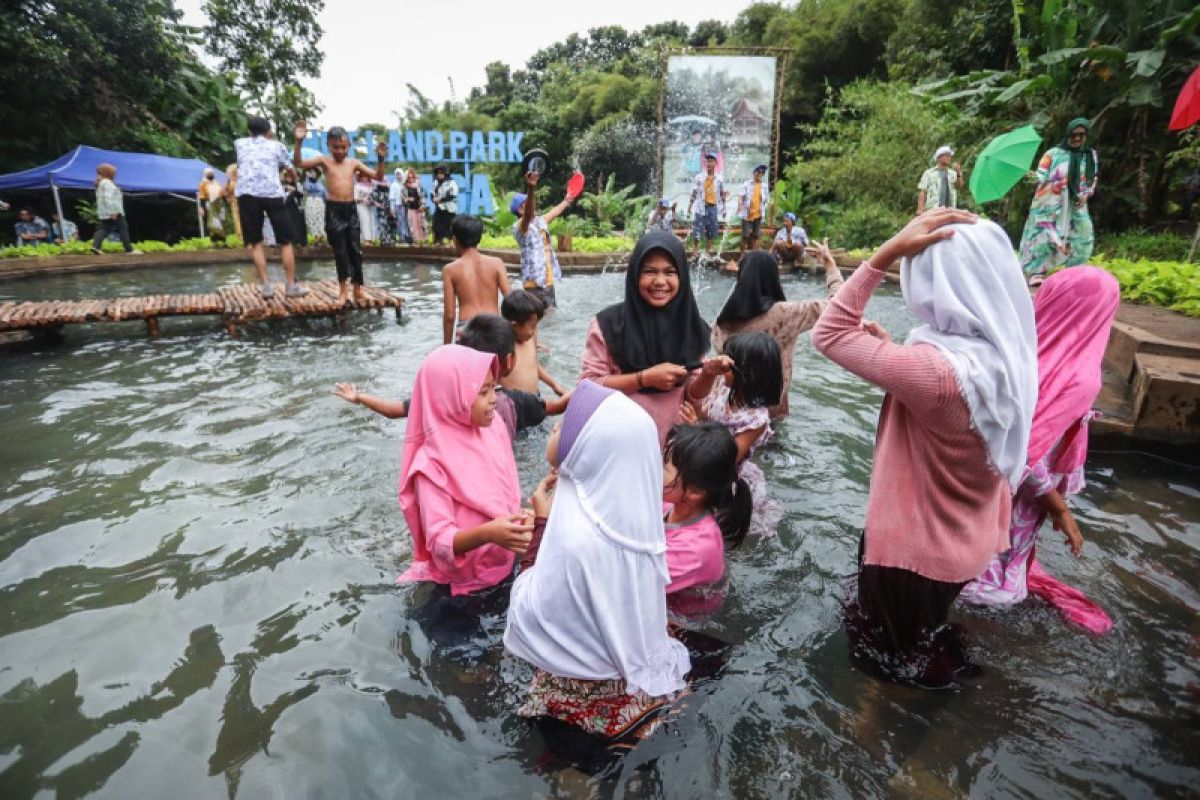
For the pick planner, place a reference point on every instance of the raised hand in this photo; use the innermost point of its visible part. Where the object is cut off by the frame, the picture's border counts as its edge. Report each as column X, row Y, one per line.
column 301, row 130
column 346, row 391
column 543, row 495
column 381, row 150
column 922, row 231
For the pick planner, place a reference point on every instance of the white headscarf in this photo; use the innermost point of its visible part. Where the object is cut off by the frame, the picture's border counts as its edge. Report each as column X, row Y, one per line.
column 970, row 292
column 594, row 607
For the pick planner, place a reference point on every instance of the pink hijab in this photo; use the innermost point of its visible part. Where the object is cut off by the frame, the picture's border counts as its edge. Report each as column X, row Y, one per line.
column 1074, row 311
column 473, row 465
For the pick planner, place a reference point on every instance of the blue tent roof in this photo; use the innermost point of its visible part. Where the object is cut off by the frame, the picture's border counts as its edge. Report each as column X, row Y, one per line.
column 136, row 172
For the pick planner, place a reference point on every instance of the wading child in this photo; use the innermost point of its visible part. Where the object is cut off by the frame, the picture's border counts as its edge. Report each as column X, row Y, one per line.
column 707, row 508
column 472, row 283
column 459, row 489
column 524, row 310
column 486, row 333
column 539, row 263
column 737, row 392
column 1073, row 311
column 341, row 211
column 591, row 613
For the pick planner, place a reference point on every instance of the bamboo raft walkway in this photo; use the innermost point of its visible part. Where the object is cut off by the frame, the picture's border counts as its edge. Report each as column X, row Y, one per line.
column 235, row 304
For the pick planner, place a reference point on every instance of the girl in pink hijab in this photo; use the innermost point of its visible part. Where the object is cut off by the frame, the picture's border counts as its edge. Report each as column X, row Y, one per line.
column 458, row 481
column 1074, row 311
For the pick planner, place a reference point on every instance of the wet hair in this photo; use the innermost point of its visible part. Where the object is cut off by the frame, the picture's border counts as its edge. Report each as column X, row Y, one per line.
column 335, row 133
column 258, row 126
column 705, row 458
column 520, row 305
column 467, row 230
column 758, row 370
column 488, row 333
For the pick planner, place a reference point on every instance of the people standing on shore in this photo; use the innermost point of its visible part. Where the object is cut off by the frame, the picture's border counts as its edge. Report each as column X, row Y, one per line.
column 539, row 263
column 110, row 209
column 445, row 203
column 709, row 189
column 396, row 206
column 314, row 204
column 385, row 222
column 1059, row 229
column 342, row 218
column 414, row 206
column 294, row 197
column 212, row 205
column 939, row 185
column 752, row 206
column 364, row 207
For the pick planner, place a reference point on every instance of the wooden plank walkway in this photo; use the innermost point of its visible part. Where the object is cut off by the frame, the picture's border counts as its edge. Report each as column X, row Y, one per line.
column 235, row 304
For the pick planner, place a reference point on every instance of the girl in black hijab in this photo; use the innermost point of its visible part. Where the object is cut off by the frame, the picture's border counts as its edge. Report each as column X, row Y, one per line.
column 757, row 304
column 646, row 345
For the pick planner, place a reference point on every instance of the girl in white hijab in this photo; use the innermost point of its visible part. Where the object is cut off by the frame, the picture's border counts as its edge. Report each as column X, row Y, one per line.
column 952, row 435
column 591, row 616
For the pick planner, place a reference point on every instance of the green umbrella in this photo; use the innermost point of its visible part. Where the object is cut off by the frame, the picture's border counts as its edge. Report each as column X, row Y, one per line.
column 1004, row 162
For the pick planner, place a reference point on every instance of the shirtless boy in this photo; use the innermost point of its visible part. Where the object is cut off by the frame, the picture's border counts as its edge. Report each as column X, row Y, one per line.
column 525, row 310
column 341, row 212
column 474, row 281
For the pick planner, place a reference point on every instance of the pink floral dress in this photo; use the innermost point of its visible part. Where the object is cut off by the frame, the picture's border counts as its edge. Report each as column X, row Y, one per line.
column 1005, row 580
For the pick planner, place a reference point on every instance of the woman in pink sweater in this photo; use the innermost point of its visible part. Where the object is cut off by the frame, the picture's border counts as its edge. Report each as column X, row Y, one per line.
column 952, row 438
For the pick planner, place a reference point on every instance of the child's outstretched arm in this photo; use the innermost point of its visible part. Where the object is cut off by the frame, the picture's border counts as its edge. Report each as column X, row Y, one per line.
column 298, row 158
column 558, row 405
column 702, row 384
column 392, row 409
column 529, row 208
column 554, row 385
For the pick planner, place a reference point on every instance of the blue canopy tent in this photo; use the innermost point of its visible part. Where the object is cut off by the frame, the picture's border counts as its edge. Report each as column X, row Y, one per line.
column 137, row 173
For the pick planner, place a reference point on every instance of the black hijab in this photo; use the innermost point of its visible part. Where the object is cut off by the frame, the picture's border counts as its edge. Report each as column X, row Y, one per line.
column 639, row 335
column 757, row 289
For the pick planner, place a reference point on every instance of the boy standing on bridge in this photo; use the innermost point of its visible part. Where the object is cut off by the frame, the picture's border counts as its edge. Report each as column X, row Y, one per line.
column 473, row 282
column 341, row 211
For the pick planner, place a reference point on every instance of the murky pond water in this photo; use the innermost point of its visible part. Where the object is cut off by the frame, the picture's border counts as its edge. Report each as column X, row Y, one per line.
column 198, row 546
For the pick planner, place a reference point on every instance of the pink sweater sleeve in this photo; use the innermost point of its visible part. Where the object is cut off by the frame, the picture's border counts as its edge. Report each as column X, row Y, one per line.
column 437, row 517
column 597, row 363
column 917, row 376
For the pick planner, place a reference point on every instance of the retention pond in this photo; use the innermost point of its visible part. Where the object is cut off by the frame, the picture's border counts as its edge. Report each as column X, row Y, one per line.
column 198, row 545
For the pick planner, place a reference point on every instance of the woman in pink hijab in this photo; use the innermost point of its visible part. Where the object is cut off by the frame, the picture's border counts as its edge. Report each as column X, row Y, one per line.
column 458, row 481
column 1074, row 311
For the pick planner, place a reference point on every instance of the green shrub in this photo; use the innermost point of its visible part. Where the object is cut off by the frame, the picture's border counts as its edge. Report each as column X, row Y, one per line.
column 1138, row 244
column 1173, row 284
column 864, row 224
